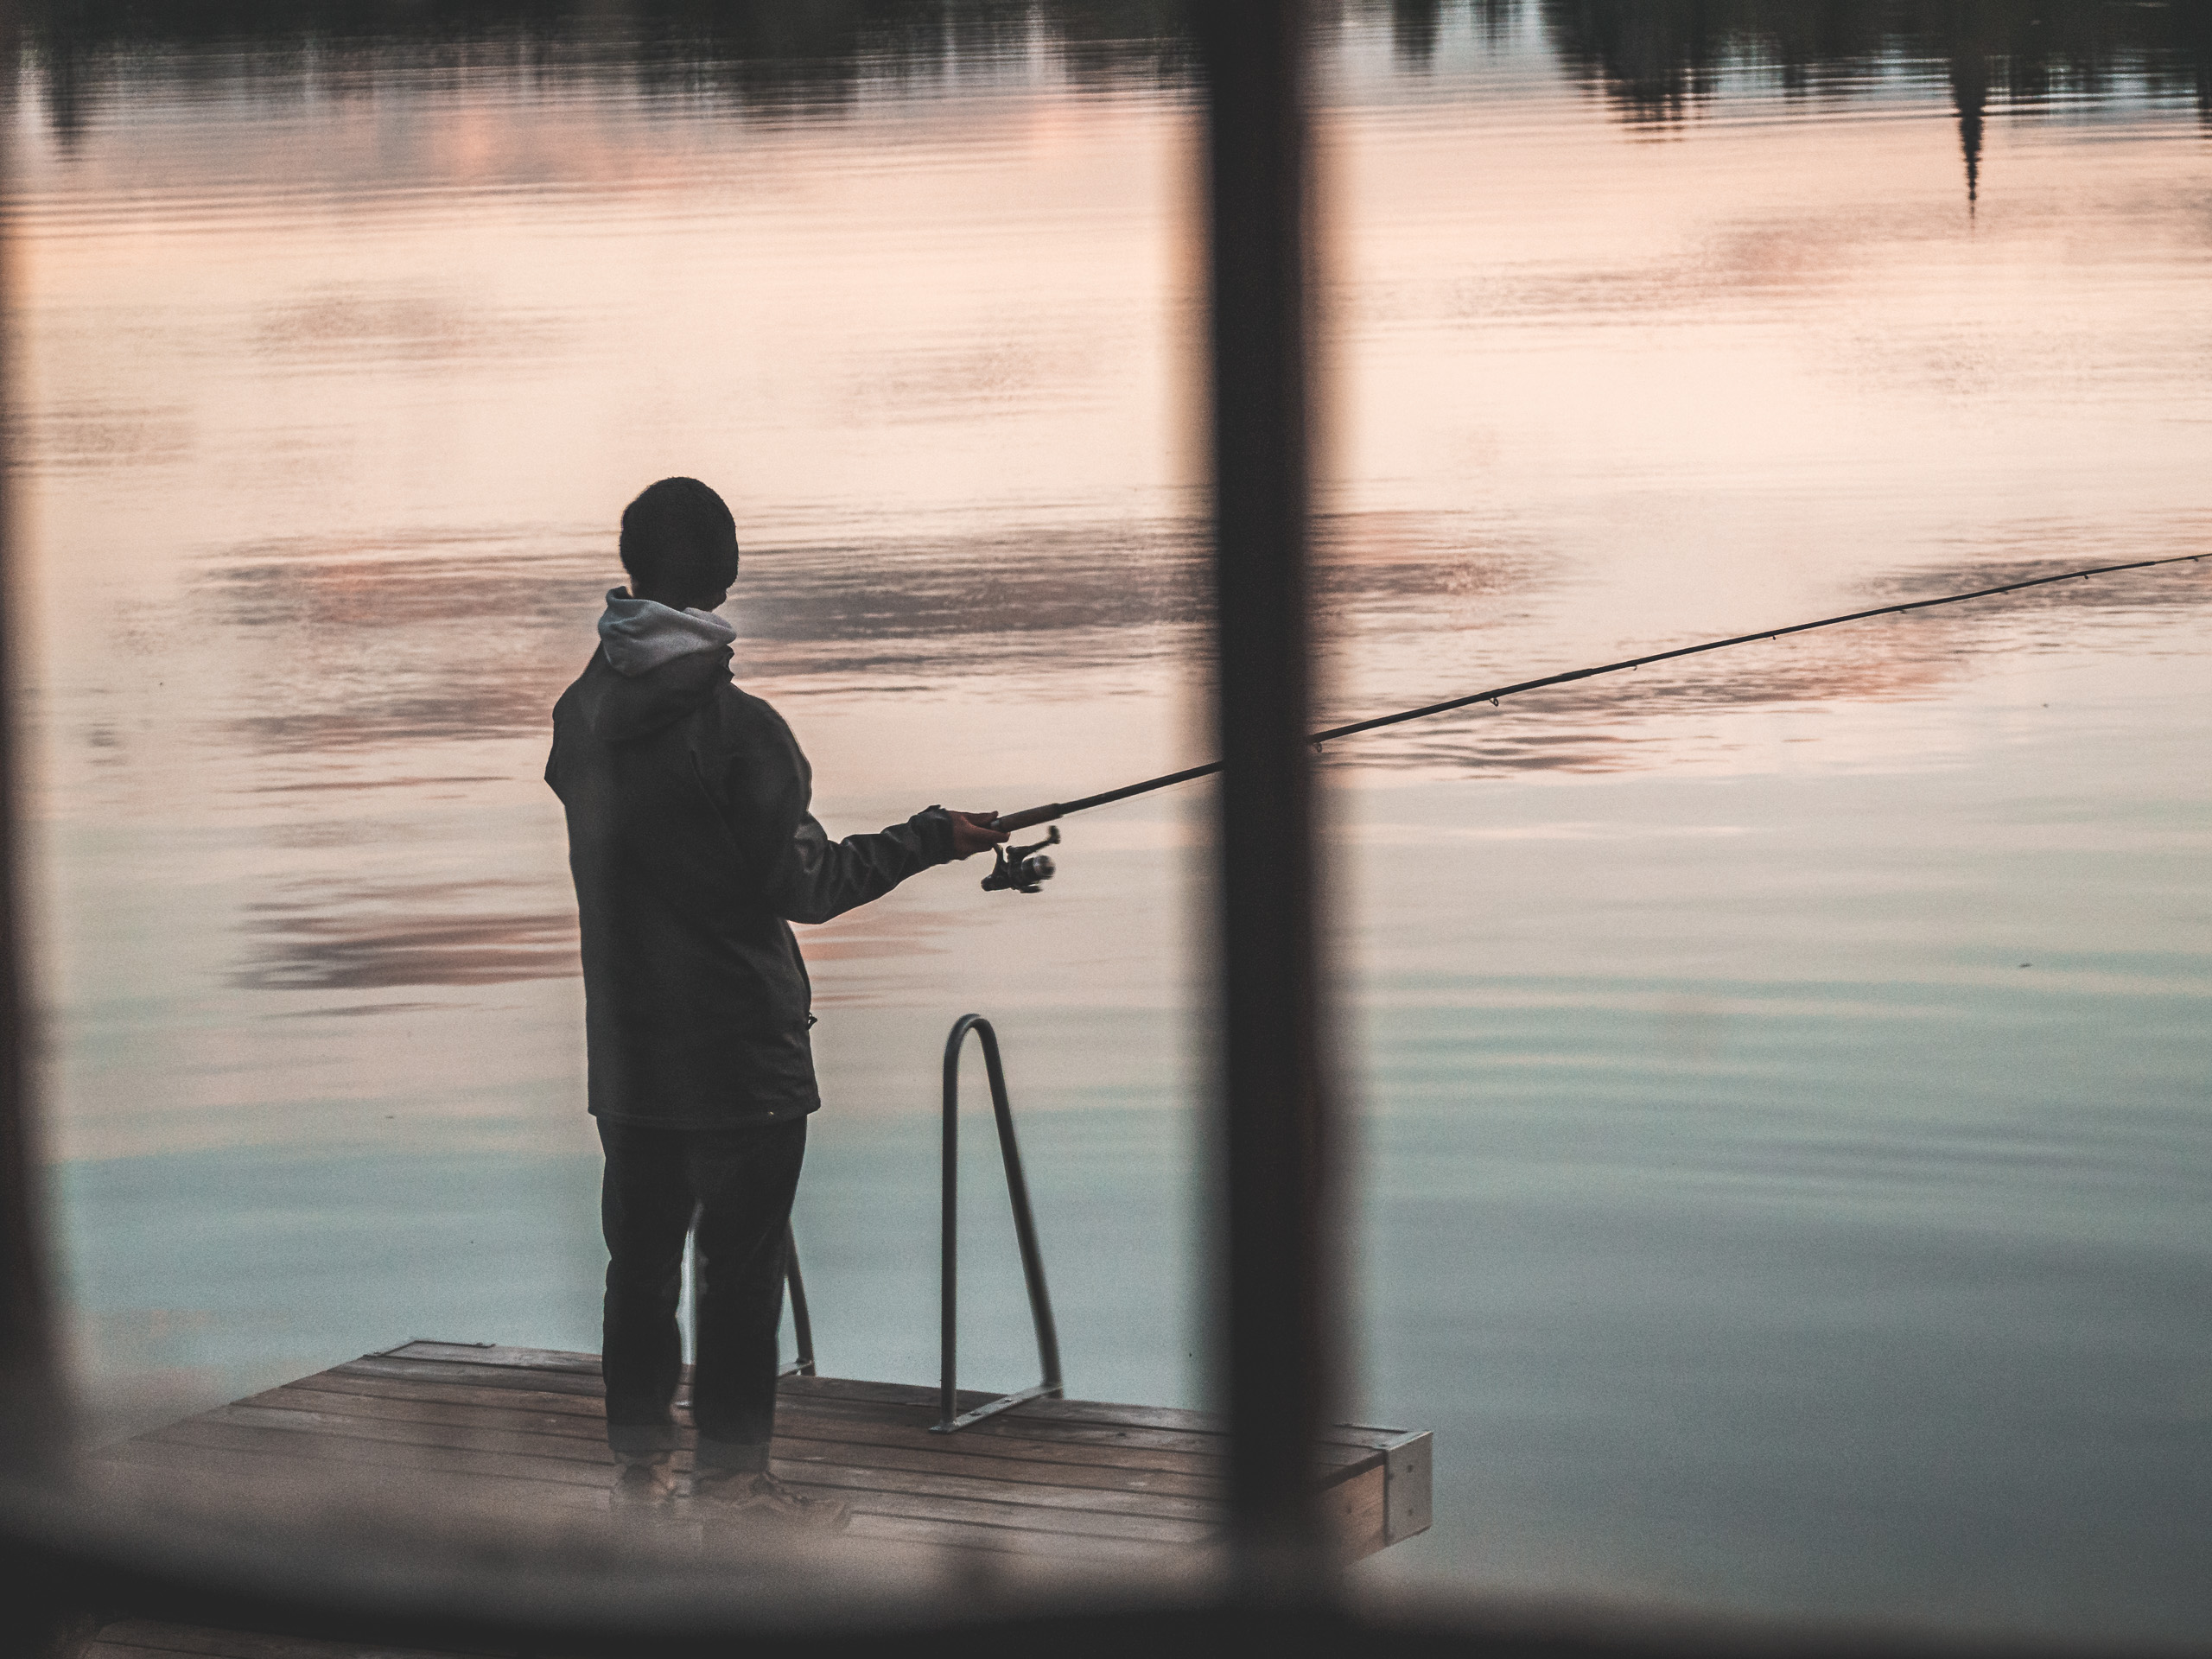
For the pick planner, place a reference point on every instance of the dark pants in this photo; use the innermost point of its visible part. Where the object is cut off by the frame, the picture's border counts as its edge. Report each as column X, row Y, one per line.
column 731, row 1190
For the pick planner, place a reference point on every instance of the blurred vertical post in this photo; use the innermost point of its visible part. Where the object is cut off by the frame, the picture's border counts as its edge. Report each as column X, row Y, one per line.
column 1276, row 1349
column 29, row 1399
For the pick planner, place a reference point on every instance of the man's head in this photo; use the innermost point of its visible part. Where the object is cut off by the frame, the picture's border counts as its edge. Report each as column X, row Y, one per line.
column 679, row 544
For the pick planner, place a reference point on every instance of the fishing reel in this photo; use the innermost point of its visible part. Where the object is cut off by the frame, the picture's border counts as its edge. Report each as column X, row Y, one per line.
column 1022, row 869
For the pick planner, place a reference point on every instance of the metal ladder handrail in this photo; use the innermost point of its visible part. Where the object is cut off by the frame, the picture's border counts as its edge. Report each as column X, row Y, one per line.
column 951, row 1418
column 802, row 1327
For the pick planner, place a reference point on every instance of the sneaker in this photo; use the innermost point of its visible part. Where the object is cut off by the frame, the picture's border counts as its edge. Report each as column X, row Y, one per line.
column 647, row 1485
column 737, row 1496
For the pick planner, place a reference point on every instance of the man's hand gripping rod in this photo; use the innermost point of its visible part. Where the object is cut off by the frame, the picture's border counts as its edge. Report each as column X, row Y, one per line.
column 1022, row 869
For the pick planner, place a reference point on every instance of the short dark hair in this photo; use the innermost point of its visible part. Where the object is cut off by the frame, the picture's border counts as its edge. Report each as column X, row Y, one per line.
column 677, row 535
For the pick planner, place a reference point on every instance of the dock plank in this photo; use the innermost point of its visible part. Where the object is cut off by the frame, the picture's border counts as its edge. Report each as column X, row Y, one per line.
column 794, row 1442
column 591, row 1405
column 517, row 1440
column 202, row 1434
column 878, row 1498
column 590, row 1424
column 483, row 1376
column 876, row 1478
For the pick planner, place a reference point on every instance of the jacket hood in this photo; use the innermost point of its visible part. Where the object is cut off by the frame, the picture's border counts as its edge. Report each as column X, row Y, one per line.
column 638, row 635
column 654, row 665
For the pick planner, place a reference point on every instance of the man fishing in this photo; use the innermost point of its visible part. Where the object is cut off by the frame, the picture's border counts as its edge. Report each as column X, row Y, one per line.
column 693, row 851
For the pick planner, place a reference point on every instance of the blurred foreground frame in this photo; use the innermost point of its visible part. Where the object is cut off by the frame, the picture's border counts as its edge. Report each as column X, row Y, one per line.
column 342, row 1561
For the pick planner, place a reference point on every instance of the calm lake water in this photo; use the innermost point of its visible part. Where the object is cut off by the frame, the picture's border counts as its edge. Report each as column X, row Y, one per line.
column 1785, row 1149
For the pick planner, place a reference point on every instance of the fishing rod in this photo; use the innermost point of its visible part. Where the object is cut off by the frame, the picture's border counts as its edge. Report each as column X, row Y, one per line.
column 1022, row 869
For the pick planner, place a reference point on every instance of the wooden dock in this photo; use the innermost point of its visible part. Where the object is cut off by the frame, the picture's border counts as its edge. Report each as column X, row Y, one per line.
column 1077, row 1481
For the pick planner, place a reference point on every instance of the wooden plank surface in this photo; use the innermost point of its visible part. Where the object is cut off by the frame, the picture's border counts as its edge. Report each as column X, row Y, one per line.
column 1088, row 1482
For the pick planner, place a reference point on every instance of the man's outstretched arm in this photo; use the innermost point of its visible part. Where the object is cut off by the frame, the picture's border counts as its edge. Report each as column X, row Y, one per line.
column 817, row 878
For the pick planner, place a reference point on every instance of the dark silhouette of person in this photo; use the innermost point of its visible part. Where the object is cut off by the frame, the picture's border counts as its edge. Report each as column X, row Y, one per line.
column 693, row 851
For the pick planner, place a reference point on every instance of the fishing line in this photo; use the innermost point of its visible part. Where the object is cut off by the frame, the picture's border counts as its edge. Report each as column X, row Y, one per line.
column 1020, row 869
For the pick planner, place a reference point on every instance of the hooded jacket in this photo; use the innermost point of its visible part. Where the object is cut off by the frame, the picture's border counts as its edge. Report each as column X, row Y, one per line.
column 693, row 851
